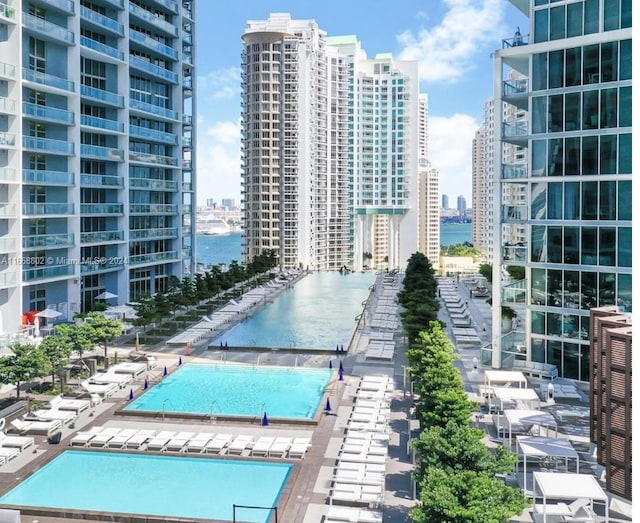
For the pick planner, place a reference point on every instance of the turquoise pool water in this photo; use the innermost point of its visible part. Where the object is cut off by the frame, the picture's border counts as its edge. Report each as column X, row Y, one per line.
column 237, row 390
column 153, row 485
column 318, row 312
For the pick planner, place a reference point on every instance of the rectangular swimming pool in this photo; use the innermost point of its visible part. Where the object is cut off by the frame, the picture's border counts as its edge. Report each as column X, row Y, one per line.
column 237, row 390
column 152, row 485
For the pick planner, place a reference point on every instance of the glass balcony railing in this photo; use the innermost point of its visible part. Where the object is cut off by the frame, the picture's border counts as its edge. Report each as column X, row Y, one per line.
column 7, row 139
column 187, row 13
column 186, row 208
column 152, row 234
column 155, row 159
column 7, row 12
column 153, row 135
column 43, row 241
column 155, row 257
column 515, row 87
column 153, row 109
column 45, row 209
column 187, row 58
column 151, row 43
column 103, row 96
column 51, row 30
column 45, row 273
column 516, row 252
column 101, row 180
column 7, row 70
column 514, row 171
column 101, row 236
column 8, row 245
column 186, row 164
column 169, row 4
column 44, row 112
column 7, row 105
column 155, row 70
column 101, row 123
column 187, row 119
column 187, row 252
column 514, row 212
column 186, row 141
column 101, row 48
column 48, row 145
column 97, row 209
column 106, row 153
column 8, row 279
column 153, row 208
column 108, row 265
column 115, row 3
column 102, row 21
column 154, row 20
column 186, row 231
column 516, row 41
column 32, row 176
column 8, row 210
column 8, row 175
column 153, row 184
column 47, row 79
column 187, row 187
column 62, row 5
column 515, row 129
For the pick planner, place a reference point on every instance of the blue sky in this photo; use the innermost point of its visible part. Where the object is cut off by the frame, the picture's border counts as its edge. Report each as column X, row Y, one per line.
column 452, row 39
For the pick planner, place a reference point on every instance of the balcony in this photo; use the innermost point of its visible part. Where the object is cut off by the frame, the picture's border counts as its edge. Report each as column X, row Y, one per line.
column 47, row 273
column 101, row 180
column 187, row 119
column 152, row 19
column 153, row 44
column 187, row 187
column 47, row 80
column 154, row 159
column 8, row 279
column 8, row 210
column 7, row 105
column 141, row 259
column 153, row 135
column 514, row 213
column 153, row 208
column 516, row 40
column 35, row 177
column 187, row 208
column 7, row 13
column 186, row 231
column 169, row 4
column 102, row 96
column 47, row 241
column 152, row 69
column 8, row 175
column 7, row 140
column 48, row 29
column 101, row 123
column 51, row 114
column 108, row 265
column 115, row 3
column 103, row 153
column 186, row 164
column 153, row 234
column 514, row 171
column 101, row 236
column 186, row 141
column 65, row 6
column 153, row 184
column 187, row 252
column 101, row 21
column 7, row 71
column 47, row 209
column 156, row 110
column 101, row 48
column 514, row 253
column 101, row 209
column 48, row 145
column 8, row 244
column 187, row 58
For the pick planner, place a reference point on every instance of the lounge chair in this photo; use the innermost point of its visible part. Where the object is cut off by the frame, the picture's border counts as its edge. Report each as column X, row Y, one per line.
column 280, row 447
column 102, row 438
column 81, row 439
column 356, row 493
column 362, row 468
column 369, row 426
column 299, row 448
column 103, row 390
column 139, row 438
column 9, row 453
column 75, row 405
column 262, row 446
column 367, row 435
column 351, row 476
column 199, row 442
column 160, row 440
column 121, row 438
column 178, row 442
column 239, row 444
column 350, row 514
column 36, row 427
column 128, row 367
column 218, row 444
column 65, row 416
column 21, row 442
column 363, row 458
column 102, row 378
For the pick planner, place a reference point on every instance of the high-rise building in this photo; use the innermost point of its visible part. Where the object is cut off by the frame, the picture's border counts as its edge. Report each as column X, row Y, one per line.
column 478, row 190
column 303, row 196
column 96, row 152
column 572, row 196
column 228, row 203
column 445, row 201
column 462, row 206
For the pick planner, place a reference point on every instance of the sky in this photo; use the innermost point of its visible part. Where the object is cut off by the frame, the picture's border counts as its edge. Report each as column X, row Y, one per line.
column 453, row 40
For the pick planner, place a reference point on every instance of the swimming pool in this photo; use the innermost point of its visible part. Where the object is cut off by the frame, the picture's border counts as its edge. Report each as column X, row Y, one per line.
column 237, row 390
column 317, row 313
column 153, row 485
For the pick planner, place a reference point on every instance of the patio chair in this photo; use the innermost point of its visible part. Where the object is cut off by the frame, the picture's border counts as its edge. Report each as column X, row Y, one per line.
column 121, row 438
column 160, row 440
column 81, row 439
column 218, row 444
column 65, row 416
column 178, row 442
column 102, row 438
column 139, row 438
column 9, row 453
column 239, row 444
column 199, row 442
column 299, row 448
column 280, row 447
column 75, row 405
column 36, row 427
column 262, row 446
column 21, row 442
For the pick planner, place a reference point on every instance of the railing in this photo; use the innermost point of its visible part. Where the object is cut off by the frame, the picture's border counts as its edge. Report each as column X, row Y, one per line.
column 43, row 209
column 7, row 12
column 145, row 234
column 169, row 4
column 153, row 109
column 63, row 5
column 50, row 29
column 187, row 119
column 8, row 210
column 101, row 236
column 155, row 159
column 47, row 144
column 153, row 135
column 48, row 113
column 101, row 208
column 516, row 41
column 47, row 177
column 106, row 265
column 49, row 80
column 187, row 187
column 514, row 129
column 150, row 183
column 8, row 244
column 514, row 87
column 103, row 96
column 7, row 139
column 8, row 174
column 153, row 69
column 514, row 212
column 97, row 151
column 149, row 42
column 102, row 123
column 514, row 252
column 47, row 240
column 153, row 257
column 153, row 19
column 101, row 180
column 7, row 105
column 101, row 20
column 7, row 70
column 153, row 208
column 513, row 171
column 44, row 273
column 101, row 48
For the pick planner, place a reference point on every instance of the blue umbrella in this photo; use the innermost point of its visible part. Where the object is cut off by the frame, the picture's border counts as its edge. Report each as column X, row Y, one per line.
column 180, row 360
column 327, row 407
column 130, row 394
column 330, row 364
column 146, row 384
column 265, row 419
column 341, row 367
column 337, row 349
column 221, row 345
column 340, row 375
column 165, row 371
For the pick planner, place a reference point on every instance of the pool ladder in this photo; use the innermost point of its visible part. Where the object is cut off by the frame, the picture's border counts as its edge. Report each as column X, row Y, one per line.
column 212, row 418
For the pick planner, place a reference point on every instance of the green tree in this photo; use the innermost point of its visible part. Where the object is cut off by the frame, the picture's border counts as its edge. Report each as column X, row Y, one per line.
column 80, row 337
column 57, row 350
column 486, row 270
column 516, row 272
column 146, row 312
column 27, row 362
column 103, row 330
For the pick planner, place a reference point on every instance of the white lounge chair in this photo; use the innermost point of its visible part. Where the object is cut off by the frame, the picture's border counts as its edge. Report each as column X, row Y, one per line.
column 105, row 378
column 363, row 458
column 104, row 390
column 21, row 442
column 160, row 440
column 218, row 444
column 178, row 442
column 76, row 405
column 139, row 438
column 352, row 476
column 356, row 493
column 102, row 438
column 199, row 442
column 362, row 468
column 36, row 427
column 280, row 447
column 121, row 438
column 129, row 367
column 299, row 448
column 82, row 438
column 9, row 453
column 239, row 444
column 262, row 446
column 350, row 514
column 65, row 416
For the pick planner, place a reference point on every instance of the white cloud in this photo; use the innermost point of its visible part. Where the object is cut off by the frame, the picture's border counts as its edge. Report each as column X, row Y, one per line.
column 450, row 141
column 219, row 161
column 223, row 84
column 448, row 50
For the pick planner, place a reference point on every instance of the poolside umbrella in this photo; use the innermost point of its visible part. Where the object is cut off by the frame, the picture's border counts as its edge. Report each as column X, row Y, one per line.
column 341, row 348
column 265, row 419
column 341, row 375
column 337, row 349
column 165, row 371
column 330, row 364
column 130, row 394
column 327, row 407
column 226, row 345
column 341, row 367
column 180, row 361
column 221, row 345
column 146, row 384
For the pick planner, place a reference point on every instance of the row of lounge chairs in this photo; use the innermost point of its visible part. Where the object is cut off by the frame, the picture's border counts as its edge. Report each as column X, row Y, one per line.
column 118, row 376
column 12, row 446
column 191, row 442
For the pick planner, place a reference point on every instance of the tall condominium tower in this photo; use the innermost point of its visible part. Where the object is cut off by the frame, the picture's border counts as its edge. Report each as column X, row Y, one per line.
column 479, row 190
column 329, row 142
column 445, row 201
column 461, row 206
column 96, row 151
column 572, row 196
